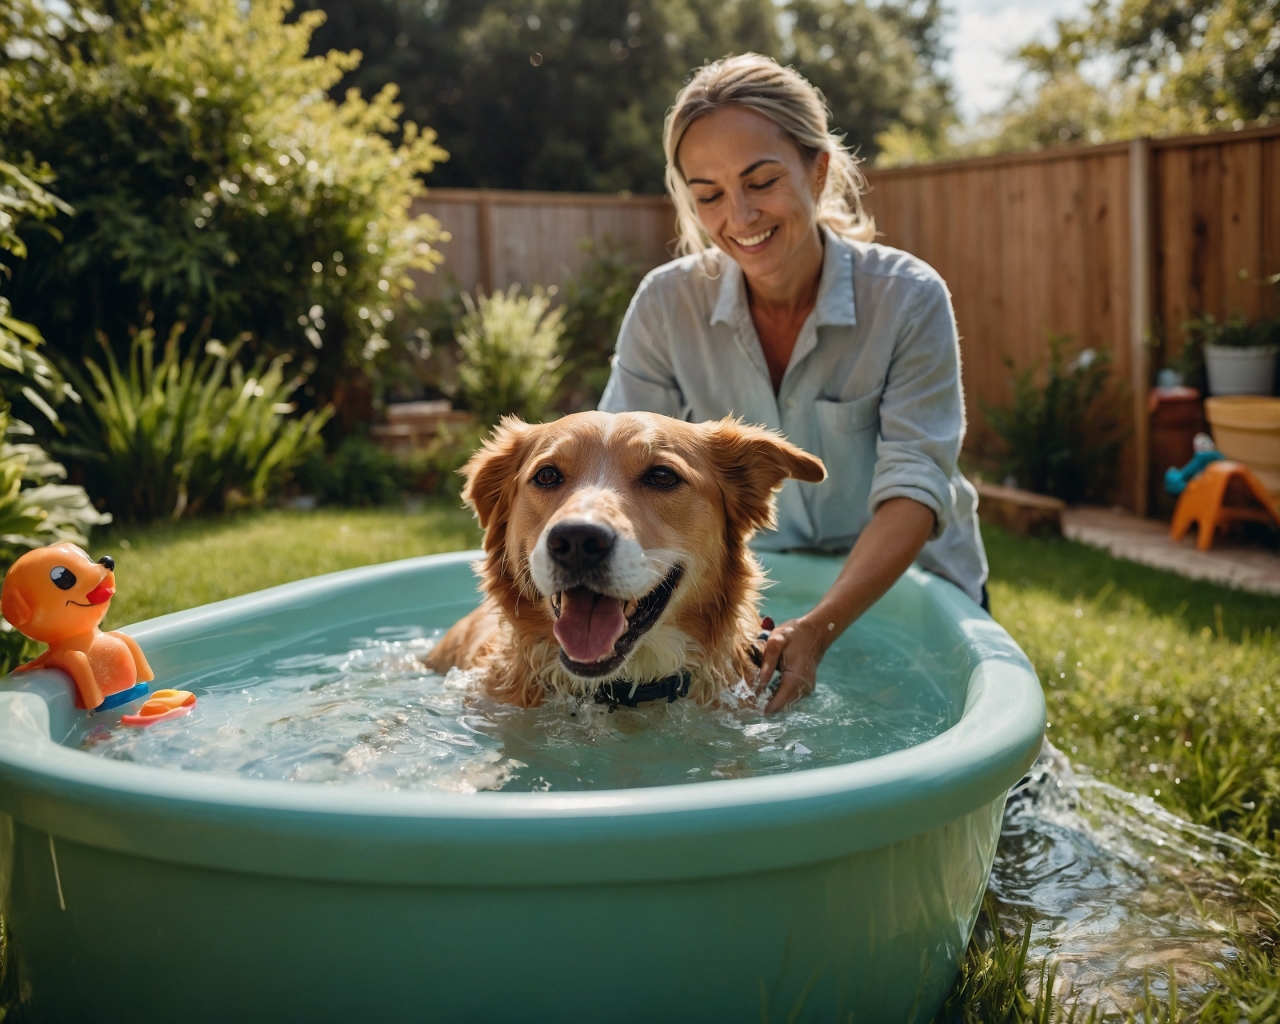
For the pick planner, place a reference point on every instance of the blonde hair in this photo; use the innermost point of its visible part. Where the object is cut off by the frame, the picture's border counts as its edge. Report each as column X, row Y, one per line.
column 788, row 100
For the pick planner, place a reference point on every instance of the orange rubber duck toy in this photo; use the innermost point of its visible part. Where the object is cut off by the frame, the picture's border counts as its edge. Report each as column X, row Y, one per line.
column 59, row 596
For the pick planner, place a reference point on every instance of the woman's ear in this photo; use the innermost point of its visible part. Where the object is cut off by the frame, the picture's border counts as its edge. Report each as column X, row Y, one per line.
column 821, row 167
column 492, row 475
column 751, row 463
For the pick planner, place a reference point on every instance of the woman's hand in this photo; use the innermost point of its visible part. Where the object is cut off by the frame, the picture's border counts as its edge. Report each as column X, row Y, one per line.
column 882, row 553
column 793, row 648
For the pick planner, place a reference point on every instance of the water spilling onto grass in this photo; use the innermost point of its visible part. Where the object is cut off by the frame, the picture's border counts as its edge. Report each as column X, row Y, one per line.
column 1117, row 890
column 371, row 714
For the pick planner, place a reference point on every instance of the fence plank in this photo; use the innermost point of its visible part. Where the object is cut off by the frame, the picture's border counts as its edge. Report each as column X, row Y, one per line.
column 500, row 238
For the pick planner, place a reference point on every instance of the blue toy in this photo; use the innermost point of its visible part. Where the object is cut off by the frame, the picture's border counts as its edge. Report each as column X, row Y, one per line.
column 1176, row 480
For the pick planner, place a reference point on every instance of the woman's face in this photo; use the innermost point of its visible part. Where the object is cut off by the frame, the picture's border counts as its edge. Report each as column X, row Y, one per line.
column 756, row 194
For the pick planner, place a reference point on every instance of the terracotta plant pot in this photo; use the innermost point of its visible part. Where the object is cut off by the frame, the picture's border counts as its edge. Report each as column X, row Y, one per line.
column 1247, row 429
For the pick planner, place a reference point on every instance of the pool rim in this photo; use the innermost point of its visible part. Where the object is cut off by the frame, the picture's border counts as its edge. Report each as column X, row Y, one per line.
column 695, row 830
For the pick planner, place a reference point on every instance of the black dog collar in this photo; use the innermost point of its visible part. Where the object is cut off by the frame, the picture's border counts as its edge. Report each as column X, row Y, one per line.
column 631, row 694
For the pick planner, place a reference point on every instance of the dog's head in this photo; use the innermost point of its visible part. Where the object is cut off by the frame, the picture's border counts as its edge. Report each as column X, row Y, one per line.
column 53, row 593
column 626, row 533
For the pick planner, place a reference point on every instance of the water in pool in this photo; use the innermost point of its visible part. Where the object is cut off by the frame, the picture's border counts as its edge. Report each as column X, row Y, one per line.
column 371, row 714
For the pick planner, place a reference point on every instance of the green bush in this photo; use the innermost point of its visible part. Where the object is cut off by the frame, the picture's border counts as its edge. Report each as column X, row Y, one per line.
column 361, row 473
column 36, row 508
column 215, row 183
column 595, row 301
column 186, row 434
column 1063, row 437
column 511, row 362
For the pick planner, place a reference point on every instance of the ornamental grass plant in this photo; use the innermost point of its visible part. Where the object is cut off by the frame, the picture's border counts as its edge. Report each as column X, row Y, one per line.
column 511, row 359
column 187, row 434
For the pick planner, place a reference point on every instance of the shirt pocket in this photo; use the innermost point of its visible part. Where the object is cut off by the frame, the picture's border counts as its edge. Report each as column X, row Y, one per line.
column 847, row 434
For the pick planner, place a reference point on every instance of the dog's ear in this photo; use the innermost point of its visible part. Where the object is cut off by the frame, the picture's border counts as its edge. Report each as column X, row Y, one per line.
column 752, row 463
column 14, row 604
column 491, row 475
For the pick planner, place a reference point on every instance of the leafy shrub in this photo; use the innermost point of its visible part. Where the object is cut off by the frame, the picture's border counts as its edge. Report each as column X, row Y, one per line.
column 35, row 507
column 361, row 473
column 595, row 301
column 1063, row 437
column 511, row 362
column 23, row 367
column 215, row 183
column 184, row 435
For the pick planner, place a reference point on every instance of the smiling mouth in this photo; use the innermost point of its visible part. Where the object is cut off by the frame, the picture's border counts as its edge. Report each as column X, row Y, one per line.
column 586, row 621
column 754, row 240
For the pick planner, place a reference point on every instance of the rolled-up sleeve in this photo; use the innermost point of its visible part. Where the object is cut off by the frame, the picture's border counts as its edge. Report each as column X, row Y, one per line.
column 641, row 378
column 922, row 409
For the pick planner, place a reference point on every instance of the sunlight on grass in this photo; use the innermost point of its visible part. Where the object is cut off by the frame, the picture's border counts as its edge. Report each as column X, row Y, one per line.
column 1163, row 686
column 1166, row 687
column 165, row 568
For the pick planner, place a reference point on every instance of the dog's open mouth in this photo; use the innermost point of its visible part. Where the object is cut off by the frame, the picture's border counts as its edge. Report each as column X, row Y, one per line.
column 596, row 632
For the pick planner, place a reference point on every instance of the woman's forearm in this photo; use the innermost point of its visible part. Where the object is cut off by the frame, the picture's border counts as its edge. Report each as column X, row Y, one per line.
column 885, row 548
column 888, row 544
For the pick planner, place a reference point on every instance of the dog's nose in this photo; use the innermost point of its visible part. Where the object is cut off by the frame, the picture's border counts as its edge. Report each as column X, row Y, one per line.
column 109, row 562
column 580, row 545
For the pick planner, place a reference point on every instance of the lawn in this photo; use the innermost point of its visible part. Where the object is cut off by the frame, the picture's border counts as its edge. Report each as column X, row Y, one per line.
column 1164, row 686
column 168, row 567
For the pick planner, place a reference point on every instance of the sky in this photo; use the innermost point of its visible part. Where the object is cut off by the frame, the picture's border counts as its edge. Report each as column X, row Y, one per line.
column 982, row 35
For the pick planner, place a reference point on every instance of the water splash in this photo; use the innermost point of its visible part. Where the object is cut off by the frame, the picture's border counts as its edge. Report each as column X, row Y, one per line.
column 1118, row 891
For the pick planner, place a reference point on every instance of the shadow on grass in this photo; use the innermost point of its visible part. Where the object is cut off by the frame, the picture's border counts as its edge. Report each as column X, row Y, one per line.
column 1069, row 570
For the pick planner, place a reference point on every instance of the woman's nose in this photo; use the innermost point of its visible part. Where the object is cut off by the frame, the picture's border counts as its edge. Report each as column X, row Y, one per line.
column 741, row 210
column 109, row 562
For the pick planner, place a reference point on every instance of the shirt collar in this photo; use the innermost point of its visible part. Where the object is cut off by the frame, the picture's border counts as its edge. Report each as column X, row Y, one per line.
column 835, row 289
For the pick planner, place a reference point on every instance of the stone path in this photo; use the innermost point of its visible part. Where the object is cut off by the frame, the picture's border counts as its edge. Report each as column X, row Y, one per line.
column 1125, row 536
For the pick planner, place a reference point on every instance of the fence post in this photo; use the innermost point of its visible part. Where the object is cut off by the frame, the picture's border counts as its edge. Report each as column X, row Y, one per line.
column 1140, row 298
column 484, row 243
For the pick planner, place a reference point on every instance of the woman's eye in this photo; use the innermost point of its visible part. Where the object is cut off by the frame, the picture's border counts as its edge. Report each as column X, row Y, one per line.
column 707, row 200
column 548, row 476
column 662, row 477
column 760, row 186
column 63, row 578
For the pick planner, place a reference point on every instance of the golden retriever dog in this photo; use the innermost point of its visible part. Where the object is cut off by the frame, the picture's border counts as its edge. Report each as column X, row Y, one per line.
column 616, row 556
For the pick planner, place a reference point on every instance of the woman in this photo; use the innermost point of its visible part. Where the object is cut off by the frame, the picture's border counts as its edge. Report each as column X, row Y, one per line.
column 784, row 312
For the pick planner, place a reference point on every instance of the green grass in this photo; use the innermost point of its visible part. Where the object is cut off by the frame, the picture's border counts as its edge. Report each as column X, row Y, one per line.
column 1165, row 687
column 1140, row 668
column 165, row 568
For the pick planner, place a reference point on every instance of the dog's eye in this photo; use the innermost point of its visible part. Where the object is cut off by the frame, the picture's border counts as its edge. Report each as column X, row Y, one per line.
column 548, row 476
column 63, row 578
column 661, row 477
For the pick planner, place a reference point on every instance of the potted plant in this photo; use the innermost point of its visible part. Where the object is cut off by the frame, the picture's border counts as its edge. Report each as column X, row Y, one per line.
column 1239, row 357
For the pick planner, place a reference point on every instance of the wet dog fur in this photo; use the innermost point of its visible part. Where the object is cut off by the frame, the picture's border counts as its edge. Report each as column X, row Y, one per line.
column 598, row 513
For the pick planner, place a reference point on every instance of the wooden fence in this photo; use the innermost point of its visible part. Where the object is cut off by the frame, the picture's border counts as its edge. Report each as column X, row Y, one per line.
column 1115, row 245
column 500, row 238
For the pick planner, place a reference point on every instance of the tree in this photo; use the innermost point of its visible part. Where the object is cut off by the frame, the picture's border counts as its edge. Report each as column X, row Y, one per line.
column 214, row 181
column 878, row 66
column 1130, row 68
column 571, row 94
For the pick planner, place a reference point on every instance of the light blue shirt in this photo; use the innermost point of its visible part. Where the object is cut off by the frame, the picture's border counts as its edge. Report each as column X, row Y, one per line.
column 873, row 389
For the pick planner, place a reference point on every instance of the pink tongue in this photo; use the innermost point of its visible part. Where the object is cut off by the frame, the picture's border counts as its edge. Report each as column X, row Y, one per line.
column 589, row 625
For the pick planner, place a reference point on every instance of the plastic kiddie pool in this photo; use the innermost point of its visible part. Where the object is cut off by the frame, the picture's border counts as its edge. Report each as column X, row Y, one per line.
column 138, row 893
